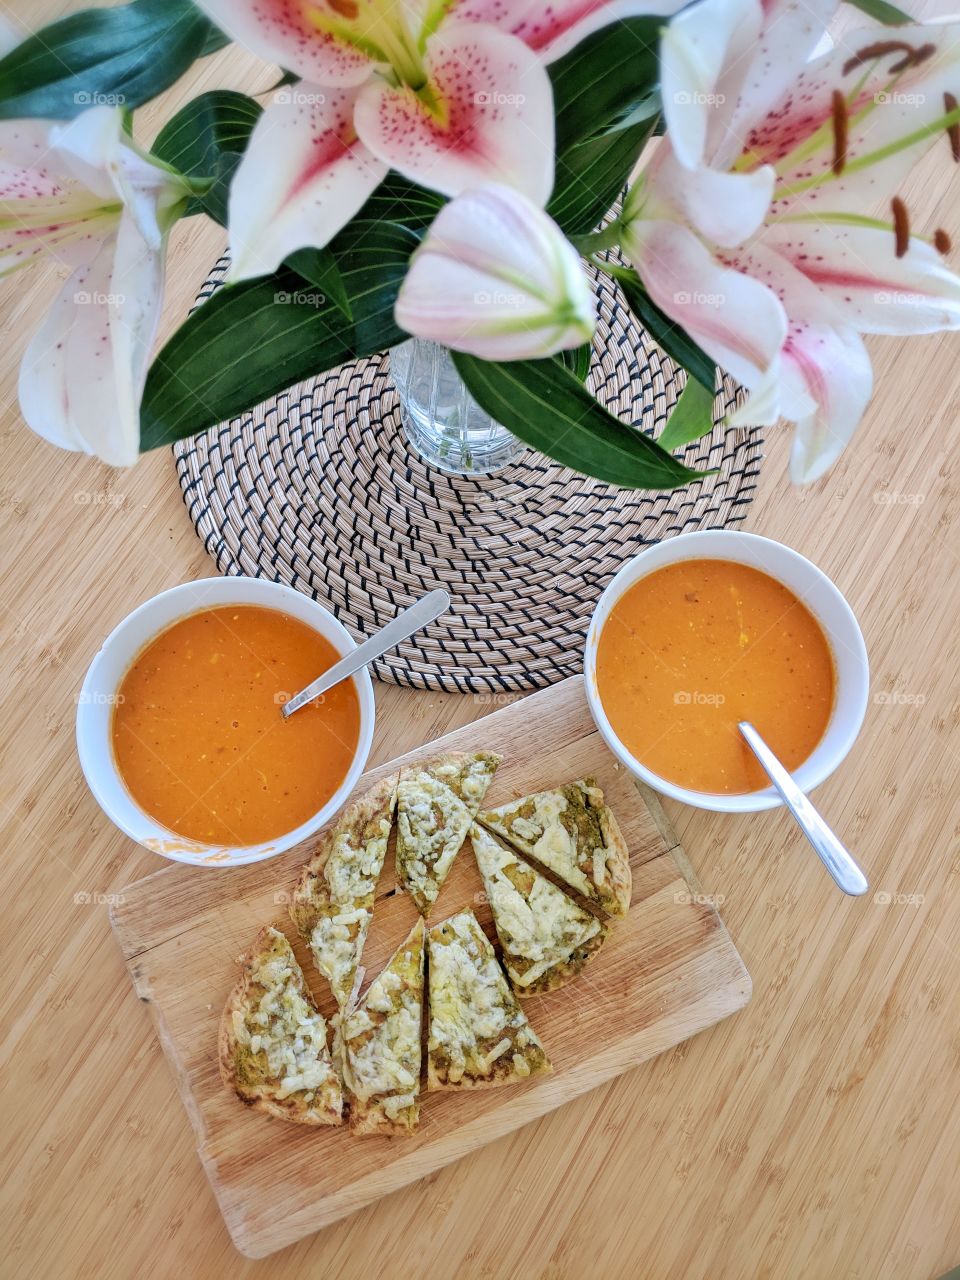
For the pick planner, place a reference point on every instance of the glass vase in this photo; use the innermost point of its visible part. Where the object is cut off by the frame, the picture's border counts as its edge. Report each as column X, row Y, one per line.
column 442, row 420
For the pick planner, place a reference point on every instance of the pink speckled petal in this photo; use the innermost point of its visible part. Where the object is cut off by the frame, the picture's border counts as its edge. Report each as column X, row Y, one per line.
column 43, row 209
column 280, row 31
column 883, row 106
column 834, row 368
column 872, row 290
column 304, row 174
column 82, row 375
column 737, row 320
column 495, row 122
column 554, row 29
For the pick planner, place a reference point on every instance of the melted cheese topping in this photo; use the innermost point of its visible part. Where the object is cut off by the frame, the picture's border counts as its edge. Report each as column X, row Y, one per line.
column 284, row 1027
column 380, row 1040
column 544, row 835
column 336, row 943
column 353, row 867
column 435, row 807
column 540, row 926
column 474, row 1017
column 432, row 823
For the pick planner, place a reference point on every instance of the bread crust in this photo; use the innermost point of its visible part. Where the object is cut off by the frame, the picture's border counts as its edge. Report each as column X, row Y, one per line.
column 258, row 1097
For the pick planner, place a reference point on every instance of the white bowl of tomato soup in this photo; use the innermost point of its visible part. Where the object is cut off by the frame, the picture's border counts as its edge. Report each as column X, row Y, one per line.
column 180, row 732
column 707, row 629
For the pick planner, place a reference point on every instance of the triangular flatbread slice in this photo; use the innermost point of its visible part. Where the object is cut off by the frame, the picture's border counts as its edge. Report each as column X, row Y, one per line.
column 546, row 938
column 333, row 902
column 273, row 1039
column 574, row 833
column 380, row 1044
column 479, row 1035
column 436, row 802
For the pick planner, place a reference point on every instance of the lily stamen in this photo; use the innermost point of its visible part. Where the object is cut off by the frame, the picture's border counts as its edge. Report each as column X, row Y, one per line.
column 913, row 56
column 941, row 241
column 840, row 132
column 901, row 226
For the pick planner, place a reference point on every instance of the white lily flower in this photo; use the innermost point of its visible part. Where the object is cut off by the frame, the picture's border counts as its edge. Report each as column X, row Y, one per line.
column 450, row 93
column 751, row 227
column 85, row 193
column 496, row 277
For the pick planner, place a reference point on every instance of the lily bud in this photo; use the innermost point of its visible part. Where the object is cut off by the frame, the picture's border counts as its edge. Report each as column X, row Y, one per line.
column 496, row 278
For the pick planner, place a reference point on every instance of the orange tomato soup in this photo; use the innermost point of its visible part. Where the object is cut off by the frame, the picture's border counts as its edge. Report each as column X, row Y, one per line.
column 198, row 736
column 695, row 647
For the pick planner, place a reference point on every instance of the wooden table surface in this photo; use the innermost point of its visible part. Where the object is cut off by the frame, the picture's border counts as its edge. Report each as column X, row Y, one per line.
column 814, row 1135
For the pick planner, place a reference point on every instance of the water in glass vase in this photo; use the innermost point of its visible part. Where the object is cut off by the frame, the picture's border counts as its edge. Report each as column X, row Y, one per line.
column 442, row 420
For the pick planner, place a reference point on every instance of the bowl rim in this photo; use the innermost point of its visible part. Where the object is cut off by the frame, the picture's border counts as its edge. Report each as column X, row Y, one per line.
column 159, row 839
column 683, row 546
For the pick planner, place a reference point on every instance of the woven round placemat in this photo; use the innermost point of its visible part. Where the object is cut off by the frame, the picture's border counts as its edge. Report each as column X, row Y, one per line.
column 319, row 488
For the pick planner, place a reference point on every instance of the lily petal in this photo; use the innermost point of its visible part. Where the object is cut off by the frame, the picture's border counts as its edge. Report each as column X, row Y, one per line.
column 704, row 53
column 883, row 107
column 554, row 29
column 835, row 368
column 496, row 277
column 83, row 373
column 304, row 174
column 97, row 152
column 793, row 32
column 281, row 31
column 491, row 121
column 42, row 209
column 737, row 320
column 725, row 207
column 856, row 267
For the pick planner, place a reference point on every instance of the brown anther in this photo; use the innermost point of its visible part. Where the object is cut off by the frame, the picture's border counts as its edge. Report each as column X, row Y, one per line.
column 901, row 225
column 877, row 50
column 914, row 58
column 953, row 130
column 840, row 132
column 345, row 8
column 941, row 241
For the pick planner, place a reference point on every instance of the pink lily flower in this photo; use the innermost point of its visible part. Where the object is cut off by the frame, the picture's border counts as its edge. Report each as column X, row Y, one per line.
column 85, row 193
column 450, row 93
column 496, row 277
column 753, row 227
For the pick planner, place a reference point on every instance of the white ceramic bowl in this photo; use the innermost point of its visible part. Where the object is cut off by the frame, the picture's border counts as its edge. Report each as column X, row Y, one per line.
column 98, row 695
column 819, row 595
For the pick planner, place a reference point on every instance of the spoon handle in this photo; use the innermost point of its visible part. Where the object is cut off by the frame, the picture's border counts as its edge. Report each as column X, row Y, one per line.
column 426, row 610
column 831, row 852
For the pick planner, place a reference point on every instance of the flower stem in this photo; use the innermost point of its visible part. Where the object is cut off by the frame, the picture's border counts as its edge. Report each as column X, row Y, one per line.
column 595, row 241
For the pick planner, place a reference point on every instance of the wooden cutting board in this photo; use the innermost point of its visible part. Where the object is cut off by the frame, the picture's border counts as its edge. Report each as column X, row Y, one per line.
column 666, row 972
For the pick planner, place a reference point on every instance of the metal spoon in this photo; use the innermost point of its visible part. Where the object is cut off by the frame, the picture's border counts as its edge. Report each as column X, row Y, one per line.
column 831, row 852
column 427, row 609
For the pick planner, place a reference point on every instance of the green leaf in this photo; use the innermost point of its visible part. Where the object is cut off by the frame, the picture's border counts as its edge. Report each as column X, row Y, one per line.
column 123, row 56
column 606, row 102
column 545, row 405
column 675, row 342
column 253, row 340
column 215, row 41
column 883, row 12
column 606, row 77
column 590, row 176
column 205, row 140
column 319, row 267
column 692, row 417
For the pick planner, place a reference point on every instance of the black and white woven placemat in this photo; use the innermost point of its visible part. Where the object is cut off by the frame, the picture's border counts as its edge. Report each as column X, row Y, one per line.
column 319, row 489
